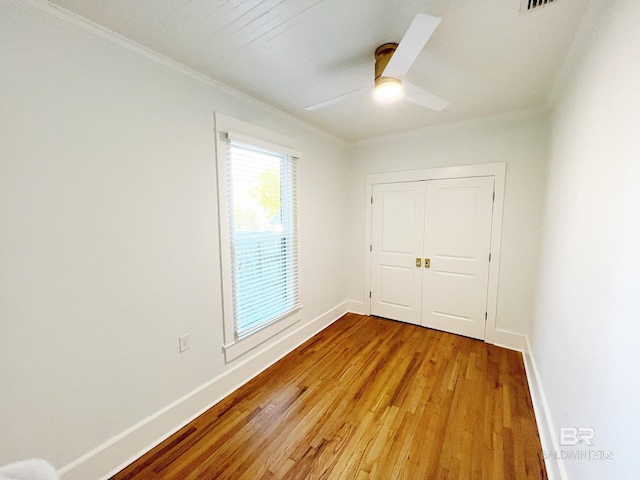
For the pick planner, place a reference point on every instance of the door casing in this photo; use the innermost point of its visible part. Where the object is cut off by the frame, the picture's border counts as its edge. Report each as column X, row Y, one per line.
column 498, row 171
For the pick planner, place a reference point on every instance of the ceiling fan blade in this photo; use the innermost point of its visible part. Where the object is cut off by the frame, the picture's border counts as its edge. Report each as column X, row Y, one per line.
column 411, row 45
column 337, row 99
column 422, row 97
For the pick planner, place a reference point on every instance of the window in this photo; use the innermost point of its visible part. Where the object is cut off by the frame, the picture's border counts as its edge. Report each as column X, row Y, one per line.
column 257, row 179
column 261, row 187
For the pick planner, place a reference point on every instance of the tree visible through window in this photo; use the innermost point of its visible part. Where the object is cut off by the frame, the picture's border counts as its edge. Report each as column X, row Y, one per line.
column 262, row 201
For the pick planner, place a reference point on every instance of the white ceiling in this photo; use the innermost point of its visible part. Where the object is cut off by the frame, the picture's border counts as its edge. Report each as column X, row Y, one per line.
column 486, row 57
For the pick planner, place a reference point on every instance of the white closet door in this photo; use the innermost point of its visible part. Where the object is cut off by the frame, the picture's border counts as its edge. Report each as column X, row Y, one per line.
column 457, row 239
column 397, row 233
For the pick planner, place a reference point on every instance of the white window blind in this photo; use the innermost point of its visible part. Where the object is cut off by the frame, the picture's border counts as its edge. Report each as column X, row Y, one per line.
column 261, row 186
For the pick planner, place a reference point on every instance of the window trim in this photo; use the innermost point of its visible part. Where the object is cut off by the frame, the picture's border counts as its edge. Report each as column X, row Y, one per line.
column 225, row 128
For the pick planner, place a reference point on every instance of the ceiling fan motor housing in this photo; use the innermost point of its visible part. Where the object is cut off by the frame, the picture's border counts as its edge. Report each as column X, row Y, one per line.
column 383, row 55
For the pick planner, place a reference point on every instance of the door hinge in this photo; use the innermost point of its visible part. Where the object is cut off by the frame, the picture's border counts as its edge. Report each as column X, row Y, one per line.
column 485, row 316
column 371, row 248
column 489, row 256
column 371, row 199
column 494, row 196
column 369, row 294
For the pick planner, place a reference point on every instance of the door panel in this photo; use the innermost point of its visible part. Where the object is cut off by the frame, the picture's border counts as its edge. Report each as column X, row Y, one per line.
column 395, row 286
column 397, row 233
column 448, row 289
column 453, row 211
column 457, row 240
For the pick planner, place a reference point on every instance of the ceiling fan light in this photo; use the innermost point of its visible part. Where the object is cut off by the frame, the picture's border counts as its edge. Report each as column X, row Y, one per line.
column 387, row 89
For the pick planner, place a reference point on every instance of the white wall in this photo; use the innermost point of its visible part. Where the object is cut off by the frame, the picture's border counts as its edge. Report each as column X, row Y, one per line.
column 586, row 332
column 109, row 244
column 522, row 142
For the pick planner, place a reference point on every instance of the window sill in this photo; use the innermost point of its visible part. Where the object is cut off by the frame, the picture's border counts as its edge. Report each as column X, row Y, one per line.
column 236, row 349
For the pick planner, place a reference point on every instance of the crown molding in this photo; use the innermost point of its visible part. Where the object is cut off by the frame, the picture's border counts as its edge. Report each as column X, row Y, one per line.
column 85, row 27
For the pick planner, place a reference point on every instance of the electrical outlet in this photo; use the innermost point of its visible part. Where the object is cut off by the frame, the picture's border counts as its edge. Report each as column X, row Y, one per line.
column 185, row 343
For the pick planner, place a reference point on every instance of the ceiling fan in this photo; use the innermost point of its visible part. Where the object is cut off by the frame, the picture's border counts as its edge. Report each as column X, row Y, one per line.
column 393, row 60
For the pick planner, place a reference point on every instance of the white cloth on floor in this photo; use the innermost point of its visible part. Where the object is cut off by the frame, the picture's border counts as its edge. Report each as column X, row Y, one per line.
column 29, row 470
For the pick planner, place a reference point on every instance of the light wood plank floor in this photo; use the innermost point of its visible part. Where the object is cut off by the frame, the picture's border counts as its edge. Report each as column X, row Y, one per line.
column 366, row 398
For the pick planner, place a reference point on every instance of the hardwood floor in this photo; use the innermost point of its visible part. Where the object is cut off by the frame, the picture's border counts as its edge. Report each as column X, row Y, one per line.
column 366, row 398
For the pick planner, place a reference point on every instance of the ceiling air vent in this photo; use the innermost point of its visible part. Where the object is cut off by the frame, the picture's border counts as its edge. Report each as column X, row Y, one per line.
column 528, row 5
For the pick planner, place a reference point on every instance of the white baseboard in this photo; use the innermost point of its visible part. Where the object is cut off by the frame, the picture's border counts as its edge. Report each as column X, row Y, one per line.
column 355, row 306
column 116, row 453
column 548, row 439
column 506, row 339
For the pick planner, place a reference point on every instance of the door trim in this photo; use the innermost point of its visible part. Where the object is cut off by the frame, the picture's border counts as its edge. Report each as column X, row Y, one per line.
column 496, row 170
